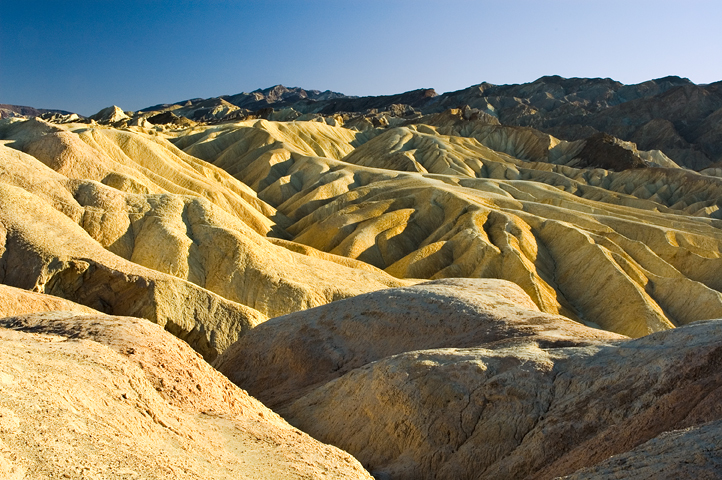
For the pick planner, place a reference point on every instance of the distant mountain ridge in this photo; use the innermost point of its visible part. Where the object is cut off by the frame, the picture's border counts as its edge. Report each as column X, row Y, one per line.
column 670, row 114
column 21, row 110
column 259, row 98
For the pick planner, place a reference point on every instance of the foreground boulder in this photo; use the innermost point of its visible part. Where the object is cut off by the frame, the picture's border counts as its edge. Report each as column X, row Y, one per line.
column 94, row 396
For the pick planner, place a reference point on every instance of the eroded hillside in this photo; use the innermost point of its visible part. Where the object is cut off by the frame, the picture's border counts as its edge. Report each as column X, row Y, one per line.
column 461, row 290
column 622, row 250
column 453, row 197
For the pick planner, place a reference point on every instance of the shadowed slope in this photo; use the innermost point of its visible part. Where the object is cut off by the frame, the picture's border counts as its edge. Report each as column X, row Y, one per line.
column 466, row 379
column 523, row 411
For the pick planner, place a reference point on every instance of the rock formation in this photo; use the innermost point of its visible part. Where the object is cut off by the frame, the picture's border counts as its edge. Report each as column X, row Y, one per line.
column 473, row 199
column 329, row 341
column 466, row 210
column 94, row 396
column 523, row 409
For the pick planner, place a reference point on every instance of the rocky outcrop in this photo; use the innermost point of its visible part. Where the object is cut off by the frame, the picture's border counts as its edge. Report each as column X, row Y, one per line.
column 91, row 396
column 281, row 360
column 467, row 379
column 171, row 118
column 602, row 151
column 110, row 115
column 135, row 162
column 7, row 111
column 478, row 212
column 671, row 115
column 525, row 411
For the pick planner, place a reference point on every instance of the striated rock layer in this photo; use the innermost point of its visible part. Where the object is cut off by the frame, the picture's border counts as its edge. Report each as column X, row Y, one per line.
column 213, row 278
column 452, row 197
column 618, row 250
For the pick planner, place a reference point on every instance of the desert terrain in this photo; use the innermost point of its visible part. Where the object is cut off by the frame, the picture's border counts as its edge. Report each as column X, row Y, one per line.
column 502, row 282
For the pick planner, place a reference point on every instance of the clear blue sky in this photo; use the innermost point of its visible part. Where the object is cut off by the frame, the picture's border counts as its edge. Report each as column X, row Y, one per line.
column 85, row 55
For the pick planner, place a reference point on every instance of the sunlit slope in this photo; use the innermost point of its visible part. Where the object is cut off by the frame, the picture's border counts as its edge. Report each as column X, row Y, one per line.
column 618, row 259
column 135, row 162
column 193, row 239
column 98, row 396
column 63, row 233
column 255, row 151
column 45, row 251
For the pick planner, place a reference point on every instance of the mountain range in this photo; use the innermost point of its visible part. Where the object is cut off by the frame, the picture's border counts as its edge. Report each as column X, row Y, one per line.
column 670, row 114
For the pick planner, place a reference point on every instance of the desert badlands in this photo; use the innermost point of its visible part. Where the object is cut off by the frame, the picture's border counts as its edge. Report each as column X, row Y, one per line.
column 503, row 282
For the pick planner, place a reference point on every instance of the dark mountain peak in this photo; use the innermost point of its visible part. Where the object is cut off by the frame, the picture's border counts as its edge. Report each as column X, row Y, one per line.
column 277, row 92
column 602, row 150
column 21, row 110
column 673, row 79
column 577, row 84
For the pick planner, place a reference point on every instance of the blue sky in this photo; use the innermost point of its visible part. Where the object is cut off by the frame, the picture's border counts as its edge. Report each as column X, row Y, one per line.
column 83, row 56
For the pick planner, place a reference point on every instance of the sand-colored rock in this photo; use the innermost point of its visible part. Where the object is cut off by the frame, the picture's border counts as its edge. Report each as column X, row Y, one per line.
column 479, row 150
column 95, row 396
column 45, row 251
column 201, row 242
column 280, row 360
column 550, row 228
column 110, row 115
column 135, row 162
column 206, row 246
column 523, row 410
column 469, row 376
column 15, row 301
